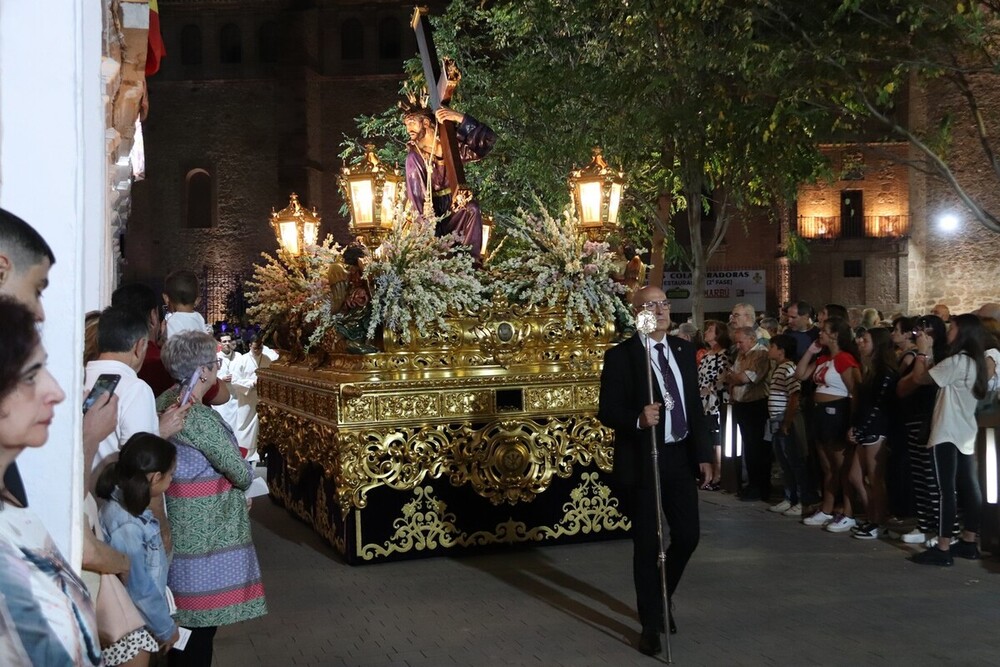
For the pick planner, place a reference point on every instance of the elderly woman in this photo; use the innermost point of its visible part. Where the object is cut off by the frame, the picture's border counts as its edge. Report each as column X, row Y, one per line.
column 46, row 615
column 214, row 576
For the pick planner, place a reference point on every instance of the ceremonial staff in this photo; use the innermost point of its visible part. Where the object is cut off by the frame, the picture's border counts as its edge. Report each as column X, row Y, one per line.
column 645, row 322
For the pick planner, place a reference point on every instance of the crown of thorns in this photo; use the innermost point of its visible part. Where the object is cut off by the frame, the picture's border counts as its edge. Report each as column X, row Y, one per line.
column 416, row 104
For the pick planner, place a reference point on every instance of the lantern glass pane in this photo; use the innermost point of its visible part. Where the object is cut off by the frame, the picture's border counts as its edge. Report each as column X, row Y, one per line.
column 590, row 202
column 362, row 201
column 289, row 237
column 614, row 203
column 388, row 202
column 486, row 238
column 310, row 230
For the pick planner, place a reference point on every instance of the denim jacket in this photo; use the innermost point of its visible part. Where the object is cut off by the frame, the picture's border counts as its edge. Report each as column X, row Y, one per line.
column 138, row 537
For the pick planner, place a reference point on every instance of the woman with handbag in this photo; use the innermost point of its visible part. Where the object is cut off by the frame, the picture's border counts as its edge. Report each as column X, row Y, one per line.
column 47, row 604
column 143, row 471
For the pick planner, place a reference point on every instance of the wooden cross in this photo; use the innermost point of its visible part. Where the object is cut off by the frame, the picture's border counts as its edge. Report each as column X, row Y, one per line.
column 440, row 86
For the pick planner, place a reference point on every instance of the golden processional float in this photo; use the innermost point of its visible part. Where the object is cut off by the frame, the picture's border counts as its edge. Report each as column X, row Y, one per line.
column 422, row 406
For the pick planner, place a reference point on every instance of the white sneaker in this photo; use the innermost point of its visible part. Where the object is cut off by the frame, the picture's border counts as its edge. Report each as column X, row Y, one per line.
column 817, row 518
column 840, row 524
column 780, row 507
column 915, row 536
column 794, row 510
column 931, row 543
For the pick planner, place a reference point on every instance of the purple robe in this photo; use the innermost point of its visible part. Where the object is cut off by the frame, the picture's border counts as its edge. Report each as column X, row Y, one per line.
column 475, row 140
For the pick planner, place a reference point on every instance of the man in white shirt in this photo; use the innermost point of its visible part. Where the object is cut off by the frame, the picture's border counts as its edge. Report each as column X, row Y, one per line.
column 121, row 343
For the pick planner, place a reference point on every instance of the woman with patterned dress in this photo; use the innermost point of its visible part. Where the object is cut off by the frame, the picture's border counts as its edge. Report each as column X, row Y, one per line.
column 214, row 575
column 711, row 368
column 46, row 614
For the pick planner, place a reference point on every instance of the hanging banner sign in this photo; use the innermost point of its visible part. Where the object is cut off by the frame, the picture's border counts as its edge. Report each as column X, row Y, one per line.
column 723, row 290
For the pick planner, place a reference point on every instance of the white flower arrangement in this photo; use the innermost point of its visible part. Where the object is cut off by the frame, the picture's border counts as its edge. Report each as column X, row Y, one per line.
column 294, row 290
column 417, row 277
column 550, row 264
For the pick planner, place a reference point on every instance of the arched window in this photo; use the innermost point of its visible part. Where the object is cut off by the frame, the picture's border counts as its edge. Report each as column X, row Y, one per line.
column 267, row 42
column 190, row 45
column 199, row 201
column 230, row 45
column 352, row 40
column 390, row 39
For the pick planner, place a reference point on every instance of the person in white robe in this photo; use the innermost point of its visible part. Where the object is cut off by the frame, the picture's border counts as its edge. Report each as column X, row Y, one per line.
column 244, row 387
column 226, row 356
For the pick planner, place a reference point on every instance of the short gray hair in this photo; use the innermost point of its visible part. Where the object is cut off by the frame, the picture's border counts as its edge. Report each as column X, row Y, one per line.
column 187, row 351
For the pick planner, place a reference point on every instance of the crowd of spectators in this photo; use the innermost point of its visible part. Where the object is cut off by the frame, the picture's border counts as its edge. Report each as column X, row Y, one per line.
column 872, row 420
column 168, row 553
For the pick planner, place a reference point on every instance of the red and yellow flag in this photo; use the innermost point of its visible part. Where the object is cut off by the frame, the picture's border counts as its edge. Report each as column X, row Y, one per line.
column 156, row 49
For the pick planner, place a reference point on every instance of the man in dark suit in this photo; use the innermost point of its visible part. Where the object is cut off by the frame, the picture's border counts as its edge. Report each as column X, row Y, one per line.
column 684, row 447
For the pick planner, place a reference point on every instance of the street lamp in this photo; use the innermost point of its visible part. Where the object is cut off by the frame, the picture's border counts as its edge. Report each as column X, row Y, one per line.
column 597, row 195
column 295, row 227
column 373, row 192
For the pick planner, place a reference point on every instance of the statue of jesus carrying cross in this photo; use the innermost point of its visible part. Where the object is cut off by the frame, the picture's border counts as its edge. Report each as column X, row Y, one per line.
column 441, row 140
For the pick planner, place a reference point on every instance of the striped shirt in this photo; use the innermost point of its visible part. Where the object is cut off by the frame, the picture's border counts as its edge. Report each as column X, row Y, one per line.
column 783, row 384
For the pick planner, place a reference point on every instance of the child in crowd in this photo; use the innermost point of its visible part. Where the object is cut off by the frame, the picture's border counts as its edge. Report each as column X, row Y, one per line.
column 876, row 402
column 786, row 426
column 144, row 470
column 182, row 294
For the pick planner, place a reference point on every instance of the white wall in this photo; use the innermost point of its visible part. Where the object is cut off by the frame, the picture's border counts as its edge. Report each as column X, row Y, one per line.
column 52, row 175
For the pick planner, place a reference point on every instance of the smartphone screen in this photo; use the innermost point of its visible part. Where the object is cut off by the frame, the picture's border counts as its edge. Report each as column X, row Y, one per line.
column 189, row 386
column 105, row 384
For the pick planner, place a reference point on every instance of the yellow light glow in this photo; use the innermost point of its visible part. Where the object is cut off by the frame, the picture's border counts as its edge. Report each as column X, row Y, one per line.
column 388, row 202
column 309, row 233
column 362, row 201
column 486, row 238
column 614, row 203
column 289, row 237
column 590, row 202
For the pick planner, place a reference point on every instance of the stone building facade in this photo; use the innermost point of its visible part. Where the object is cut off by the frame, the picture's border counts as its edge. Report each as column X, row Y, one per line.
column 251, row 104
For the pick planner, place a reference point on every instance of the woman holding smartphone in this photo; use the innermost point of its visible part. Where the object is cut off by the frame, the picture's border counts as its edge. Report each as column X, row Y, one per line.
column 214, row 575
column 961, row 379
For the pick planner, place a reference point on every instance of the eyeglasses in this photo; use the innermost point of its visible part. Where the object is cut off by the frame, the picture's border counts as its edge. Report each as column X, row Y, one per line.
column 650, row 305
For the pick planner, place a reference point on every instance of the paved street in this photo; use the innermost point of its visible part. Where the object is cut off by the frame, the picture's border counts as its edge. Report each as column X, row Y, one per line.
column 761, row 590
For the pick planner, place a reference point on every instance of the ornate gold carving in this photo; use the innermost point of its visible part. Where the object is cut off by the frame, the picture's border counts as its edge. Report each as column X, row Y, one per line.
column 360, row 409
column 400, row 459
column 408, row 406
column 427, row 524
column 587, row 396
column 515, row 460
column 544, row 399
column 466, row 403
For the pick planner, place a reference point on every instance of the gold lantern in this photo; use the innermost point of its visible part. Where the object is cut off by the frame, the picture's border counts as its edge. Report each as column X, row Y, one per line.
column 295, row 226
column 597, row 196
column 373, row 192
